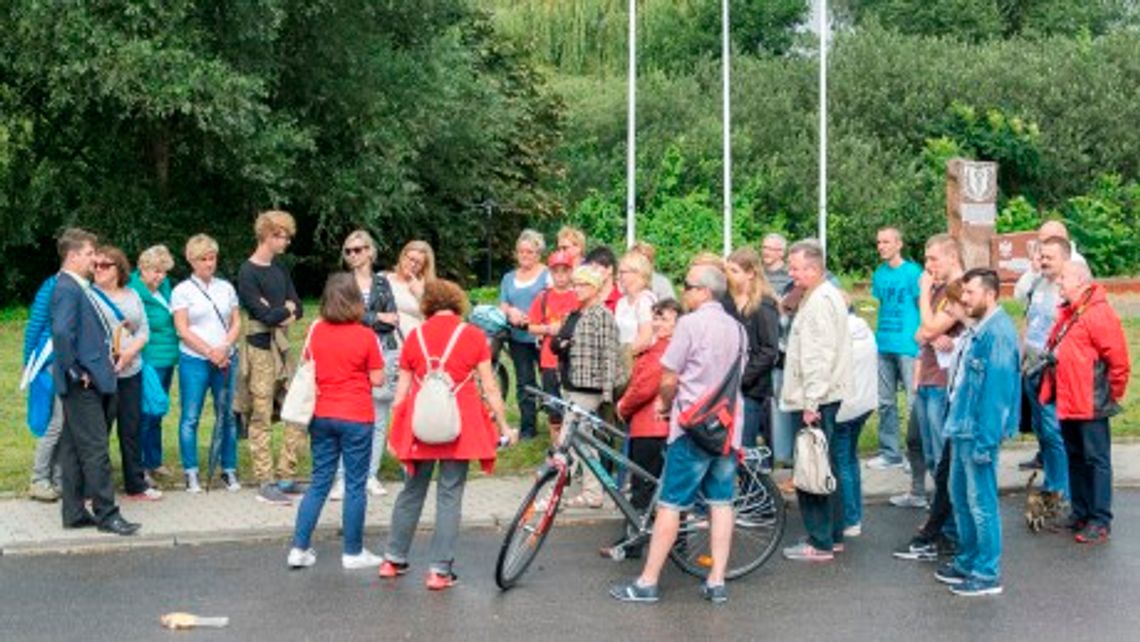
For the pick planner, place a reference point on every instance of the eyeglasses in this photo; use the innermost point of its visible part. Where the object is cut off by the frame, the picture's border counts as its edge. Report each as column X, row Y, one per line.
column 565, row 247
column 104, row 265
column 686, row 286
column 351, row 251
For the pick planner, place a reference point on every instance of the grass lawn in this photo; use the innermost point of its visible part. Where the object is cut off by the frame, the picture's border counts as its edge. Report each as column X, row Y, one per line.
column 17, row 444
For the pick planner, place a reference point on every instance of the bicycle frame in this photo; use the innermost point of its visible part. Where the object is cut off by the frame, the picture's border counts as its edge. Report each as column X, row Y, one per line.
column 576, row 441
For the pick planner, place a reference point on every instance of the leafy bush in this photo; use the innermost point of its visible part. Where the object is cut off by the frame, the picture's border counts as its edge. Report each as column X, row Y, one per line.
column 1104, row 224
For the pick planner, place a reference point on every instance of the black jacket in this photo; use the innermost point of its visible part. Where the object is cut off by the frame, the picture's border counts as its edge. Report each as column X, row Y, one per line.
column 763, row 330
column 80, row 340
column 381, row 300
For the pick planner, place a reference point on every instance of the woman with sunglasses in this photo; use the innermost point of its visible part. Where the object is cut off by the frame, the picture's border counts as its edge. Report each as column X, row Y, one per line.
column 380, row 315
column 122, row 310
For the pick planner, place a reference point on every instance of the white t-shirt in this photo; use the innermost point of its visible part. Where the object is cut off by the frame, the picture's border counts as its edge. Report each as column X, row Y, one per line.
column 191, row 295
column 630, row 315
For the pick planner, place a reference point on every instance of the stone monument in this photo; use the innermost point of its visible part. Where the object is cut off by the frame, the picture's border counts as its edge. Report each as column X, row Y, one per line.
column 971, row 208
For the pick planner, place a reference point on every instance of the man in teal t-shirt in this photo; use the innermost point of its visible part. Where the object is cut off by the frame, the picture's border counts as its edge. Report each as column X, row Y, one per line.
column 895, row 285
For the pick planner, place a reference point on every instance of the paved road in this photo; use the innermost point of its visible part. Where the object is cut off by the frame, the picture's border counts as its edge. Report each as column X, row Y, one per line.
column 1055, row 590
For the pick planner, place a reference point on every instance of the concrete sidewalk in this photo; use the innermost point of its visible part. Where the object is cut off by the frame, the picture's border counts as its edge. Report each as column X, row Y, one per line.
column 28, row 527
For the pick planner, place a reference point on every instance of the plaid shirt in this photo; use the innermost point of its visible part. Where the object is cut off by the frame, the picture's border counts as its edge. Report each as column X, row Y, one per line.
column 595, row 355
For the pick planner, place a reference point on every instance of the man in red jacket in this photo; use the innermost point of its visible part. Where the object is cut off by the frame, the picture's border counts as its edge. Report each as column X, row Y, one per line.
column 1089, row 379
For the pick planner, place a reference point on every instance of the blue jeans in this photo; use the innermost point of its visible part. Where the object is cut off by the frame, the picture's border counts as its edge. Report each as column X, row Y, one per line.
column 974, row 495
column 1043, row 418
column 331, row 441
column 783, row 436
column 756, row 423
column 150, row 430
column 691, row 473
column 845, row 444
column 195, row 377
column 894, row 370
column 930, row 406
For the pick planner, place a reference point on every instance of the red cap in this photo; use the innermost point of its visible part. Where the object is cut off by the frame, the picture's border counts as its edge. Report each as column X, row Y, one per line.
column 559, row 257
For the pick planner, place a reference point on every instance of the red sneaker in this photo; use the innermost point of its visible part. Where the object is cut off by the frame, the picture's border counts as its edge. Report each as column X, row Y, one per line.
column 389, row 569
column 440, row 581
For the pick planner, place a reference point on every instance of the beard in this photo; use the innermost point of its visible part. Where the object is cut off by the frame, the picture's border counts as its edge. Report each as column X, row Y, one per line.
column 978, row 311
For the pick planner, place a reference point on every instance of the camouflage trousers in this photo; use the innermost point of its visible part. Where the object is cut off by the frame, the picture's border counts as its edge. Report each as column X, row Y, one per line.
column 263, row 385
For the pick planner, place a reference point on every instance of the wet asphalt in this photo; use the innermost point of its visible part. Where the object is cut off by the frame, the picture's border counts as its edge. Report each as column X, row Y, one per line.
column 1054, row 590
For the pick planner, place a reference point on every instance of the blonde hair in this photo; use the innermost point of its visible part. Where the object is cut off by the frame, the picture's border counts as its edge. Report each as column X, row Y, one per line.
column 948, row 245
column 424, row 248
column 273, row 221
column 709, row 259
column 639, row 264
column 534, row 238
column 575, row 236
column 156, row 257
column 200, row 245
column 645, row 249
column 359, row 235
column 748, row 260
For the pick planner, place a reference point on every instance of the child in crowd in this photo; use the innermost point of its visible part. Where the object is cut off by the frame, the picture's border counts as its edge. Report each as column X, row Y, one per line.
column 549, row 309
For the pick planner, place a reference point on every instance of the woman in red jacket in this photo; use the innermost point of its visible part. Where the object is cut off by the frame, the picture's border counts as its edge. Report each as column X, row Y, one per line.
column 647, row 429
column 469, row 362
column 1090, row 377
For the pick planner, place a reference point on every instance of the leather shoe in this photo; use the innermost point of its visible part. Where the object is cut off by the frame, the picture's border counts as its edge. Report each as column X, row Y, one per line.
column 119, row 526
column 86, row 521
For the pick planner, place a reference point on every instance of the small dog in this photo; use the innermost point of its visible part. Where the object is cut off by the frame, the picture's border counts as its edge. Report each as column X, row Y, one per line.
column 1040, row 505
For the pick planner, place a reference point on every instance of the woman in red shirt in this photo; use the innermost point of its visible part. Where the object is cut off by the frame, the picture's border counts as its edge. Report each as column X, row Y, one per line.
column 470, row 360
column 347, row 363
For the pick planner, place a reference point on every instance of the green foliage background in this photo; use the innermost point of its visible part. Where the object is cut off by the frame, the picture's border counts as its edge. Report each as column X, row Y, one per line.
column 463, row 121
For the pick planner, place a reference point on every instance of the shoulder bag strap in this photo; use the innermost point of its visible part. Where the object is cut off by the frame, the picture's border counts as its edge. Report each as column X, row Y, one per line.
column 209, row 298
column 306, row 352
column 119, row 316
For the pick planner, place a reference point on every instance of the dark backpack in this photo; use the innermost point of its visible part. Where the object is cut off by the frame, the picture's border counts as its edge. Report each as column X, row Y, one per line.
column 560, row 344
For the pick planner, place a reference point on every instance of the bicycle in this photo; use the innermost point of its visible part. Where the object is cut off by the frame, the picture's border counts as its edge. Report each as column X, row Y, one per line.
column 758, row 507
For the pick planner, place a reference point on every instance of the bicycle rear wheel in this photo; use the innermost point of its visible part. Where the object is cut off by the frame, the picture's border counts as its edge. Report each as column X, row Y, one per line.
column 528, row 530
column 760, row 520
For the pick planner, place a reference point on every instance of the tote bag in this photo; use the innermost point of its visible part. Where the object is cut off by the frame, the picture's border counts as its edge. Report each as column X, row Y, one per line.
column 812, row 472
column 301, row 398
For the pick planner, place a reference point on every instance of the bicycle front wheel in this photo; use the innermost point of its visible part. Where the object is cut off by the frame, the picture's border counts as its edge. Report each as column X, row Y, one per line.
column 529, row 528
column 760, row 517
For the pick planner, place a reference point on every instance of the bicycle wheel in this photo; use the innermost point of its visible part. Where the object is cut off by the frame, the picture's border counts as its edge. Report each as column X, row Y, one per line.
column 760, row 519
column 529, row 528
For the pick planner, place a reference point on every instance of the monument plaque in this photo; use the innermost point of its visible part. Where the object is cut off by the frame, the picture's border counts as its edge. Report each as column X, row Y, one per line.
column 971, row 208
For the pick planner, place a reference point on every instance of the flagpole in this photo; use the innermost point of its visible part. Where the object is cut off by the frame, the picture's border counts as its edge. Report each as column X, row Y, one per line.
column 631, row 133
column 726, row 117
column 823, row 34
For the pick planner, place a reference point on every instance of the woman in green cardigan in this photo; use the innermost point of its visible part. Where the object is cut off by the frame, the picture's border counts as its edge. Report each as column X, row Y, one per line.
column 161, row 352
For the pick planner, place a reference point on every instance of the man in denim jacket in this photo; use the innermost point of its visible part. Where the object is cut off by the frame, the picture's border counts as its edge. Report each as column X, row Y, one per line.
column 985, row 389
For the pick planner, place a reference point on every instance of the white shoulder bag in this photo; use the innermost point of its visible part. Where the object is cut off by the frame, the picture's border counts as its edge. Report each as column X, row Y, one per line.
column 301, row 397
column 812, row 471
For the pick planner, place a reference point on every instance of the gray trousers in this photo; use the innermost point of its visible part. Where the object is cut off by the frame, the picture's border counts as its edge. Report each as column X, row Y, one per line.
column 45, row 465
column 448, row 508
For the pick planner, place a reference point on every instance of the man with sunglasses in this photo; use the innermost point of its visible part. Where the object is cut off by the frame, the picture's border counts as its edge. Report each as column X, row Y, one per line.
column 266, row 291
column 706, row 345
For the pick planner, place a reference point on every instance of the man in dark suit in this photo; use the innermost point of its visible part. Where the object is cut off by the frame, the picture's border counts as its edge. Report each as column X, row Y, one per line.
column 85, row 381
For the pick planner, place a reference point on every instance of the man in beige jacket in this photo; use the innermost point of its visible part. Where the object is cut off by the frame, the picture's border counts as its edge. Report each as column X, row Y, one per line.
column 817, row 377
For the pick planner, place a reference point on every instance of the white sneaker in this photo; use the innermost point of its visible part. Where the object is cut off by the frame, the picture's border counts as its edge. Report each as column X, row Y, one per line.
column 880, row 463
column 337, row 492
column 375, row 488
column 299, row 558
column 907, row 500
column 363, row 559
column 192, row 485
column 855, row 530
column 229, row 478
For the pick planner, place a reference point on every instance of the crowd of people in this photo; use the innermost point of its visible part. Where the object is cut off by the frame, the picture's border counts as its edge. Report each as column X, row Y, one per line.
column 609, row 334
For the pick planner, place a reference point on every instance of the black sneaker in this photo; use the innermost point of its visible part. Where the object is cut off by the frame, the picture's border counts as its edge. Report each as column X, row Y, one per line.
column 919, row 549
column 715, row 594
column 949, row 574
column 634, row 592
column 1074, row 525
column 946, row 546
column 1032, row 464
